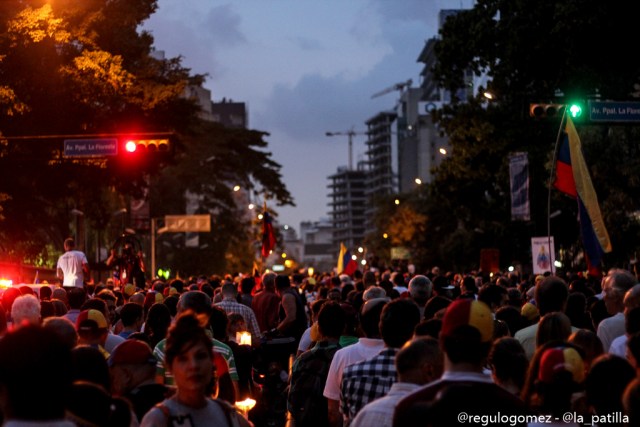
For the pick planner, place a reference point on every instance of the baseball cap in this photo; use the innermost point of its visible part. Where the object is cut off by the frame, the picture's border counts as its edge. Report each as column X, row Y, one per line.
column 91, row 319
column 131, row 352
column 559, row 359
column 530, row 311
column 129, row 289
column 468, row 312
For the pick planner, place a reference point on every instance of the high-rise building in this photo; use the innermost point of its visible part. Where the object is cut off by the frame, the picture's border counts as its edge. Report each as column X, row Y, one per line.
column 348, row 205
column 382, row 162
column 319, row 250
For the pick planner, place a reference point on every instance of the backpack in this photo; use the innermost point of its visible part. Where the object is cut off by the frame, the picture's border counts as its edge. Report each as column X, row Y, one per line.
column 305, row 400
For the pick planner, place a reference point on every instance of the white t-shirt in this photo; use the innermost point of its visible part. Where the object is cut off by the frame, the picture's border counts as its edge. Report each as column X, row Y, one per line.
column 619, row 346
column 71, row 263
column 364, row 349
column 305, row 340
column 611, row 328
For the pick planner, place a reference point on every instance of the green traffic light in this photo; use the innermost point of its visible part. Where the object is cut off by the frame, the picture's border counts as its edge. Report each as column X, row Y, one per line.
column 575, row 110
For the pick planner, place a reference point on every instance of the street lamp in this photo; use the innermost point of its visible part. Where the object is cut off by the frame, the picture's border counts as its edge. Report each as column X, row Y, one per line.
column 121, row 212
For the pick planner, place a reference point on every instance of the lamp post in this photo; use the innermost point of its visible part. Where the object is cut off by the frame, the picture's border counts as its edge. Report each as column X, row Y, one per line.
column 78, row 228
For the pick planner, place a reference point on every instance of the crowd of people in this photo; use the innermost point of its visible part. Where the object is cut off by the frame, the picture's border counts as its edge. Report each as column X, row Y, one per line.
column 373, row 349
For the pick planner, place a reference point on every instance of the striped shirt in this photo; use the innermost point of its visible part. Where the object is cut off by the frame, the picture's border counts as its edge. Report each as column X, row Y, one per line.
column 230, row 305
column 219, row 349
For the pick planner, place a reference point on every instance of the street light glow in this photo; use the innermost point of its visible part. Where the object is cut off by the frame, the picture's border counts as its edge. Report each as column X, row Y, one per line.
column 286, row 227
column 251, row 206
column 284, row 255
column 385, row 236
column 360, row 249
column 397, row 202
column 418, row 181
column 353, row 257
column 236, row 188
column 443, row 151
column 131, row 146
column 363, row 262
column 260, row 216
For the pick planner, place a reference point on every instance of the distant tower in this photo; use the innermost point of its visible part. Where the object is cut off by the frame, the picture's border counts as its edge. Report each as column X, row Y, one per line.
column 347, row 204
column 382, row 159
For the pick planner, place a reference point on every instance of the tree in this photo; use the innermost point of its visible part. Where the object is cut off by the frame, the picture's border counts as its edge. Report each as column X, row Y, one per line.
column 532, row 52
column 217, row 159
column 84, row 67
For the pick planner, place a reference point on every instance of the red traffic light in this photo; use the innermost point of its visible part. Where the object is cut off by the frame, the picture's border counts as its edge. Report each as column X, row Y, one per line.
column 147, row 145
column 130, row 146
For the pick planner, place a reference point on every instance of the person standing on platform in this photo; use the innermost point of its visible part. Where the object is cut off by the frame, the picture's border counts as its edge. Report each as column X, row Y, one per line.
column 72, row 266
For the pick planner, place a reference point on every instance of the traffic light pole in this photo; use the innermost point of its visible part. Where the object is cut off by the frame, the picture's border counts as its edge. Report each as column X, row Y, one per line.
column 153, row 248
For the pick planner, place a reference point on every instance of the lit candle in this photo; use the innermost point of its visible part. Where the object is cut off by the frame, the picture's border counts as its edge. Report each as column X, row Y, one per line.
column 243, row 338
column 245, row 406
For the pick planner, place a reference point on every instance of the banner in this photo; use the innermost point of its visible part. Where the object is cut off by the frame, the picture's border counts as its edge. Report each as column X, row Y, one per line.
column 543, row 254
column 519, row 180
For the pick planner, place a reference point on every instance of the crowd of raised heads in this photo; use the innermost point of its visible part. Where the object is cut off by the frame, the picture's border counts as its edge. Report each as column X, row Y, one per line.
column 375, row 348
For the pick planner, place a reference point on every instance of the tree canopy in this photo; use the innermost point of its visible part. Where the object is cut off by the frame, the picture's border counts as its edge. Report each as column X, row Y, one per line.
column 86, row 68
column 544, row 51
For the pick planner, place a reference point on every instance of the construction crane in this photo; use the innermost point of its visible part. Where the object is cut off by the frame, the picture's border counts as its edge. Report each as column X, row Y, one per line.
column 350, row 133
column 398, row 86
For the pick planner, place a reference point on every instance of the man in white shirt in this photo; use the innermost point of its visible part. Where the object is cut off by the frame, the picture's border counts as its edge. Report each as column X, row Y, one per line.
column 614, row 287
column 632, row 322
column 72, row 266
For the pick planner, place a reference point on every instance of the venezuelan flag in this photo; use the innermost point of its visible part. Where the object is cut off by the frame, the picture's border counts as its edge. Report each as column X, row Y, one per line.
column 572, row 178
column 346, row 265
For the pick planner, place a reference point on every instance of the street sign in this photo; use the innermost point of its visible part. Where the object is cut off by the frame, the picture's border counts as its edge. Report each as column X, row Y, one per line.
column 622, row 112
column 187, row 223
column 90, row 147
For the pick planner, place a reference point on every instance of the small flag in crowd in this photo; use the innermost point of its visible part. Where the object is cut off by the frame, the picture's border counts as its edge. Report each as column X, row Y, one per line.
column 572, row 178
column 257, row 278
column 268, row 235
column 346, row 265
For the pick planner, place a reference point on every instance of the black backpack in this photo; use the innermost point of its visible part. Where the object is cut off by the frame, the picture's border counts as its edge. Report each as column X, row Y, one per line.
column 306, row 402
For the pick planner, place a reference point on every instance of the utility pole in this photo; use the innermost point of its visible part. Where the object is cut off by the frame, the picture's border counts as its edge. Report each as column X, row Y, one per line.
column 350, row 133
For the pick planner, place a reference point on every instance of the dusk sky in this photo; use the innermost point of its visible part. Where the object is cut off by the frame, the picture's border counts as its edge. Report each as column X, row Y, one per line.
column 303, row 68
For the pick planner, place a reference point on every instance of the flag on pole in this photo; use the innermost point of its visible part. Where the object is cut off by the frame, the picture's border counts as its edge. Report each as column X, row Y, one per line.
column 257, row 278
column 572, row 178
column 346, row 265
column 268, row 235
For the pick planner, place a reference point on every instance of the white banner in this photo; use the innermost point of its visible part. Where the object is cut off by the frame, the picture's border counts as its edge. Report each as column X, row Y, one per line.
column 519, row 180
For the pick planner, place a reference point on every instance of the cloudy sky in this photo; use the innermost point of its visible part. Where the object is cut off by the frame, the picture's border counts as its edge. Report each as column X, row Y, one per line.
column 303, row 68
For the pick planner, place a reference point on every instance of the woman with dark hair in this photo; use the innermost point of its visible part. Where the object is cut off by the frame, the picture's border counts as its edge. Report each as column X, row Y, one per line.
column 157, row 323
column 189, row 357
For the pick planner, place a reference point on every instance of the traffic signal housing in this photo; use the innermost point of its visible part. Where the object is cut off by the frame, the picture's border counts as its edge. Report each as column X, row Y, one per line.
column 147, row 145
column 540, row 110
column 552, row 110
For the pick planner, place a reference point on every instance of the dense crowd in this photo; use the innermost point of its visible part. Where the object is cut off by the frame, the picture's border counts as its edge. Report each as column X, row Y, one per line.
column 376, row 348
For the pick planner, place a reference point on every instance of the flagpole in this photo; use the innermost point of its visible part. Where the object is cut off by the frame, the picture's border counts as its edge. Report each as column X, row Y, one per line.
column 551, row 173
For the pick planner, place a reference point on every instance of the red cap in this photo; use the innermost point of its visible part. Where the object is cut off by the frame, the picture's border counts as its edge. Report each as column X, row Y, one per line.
column 132, row 352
